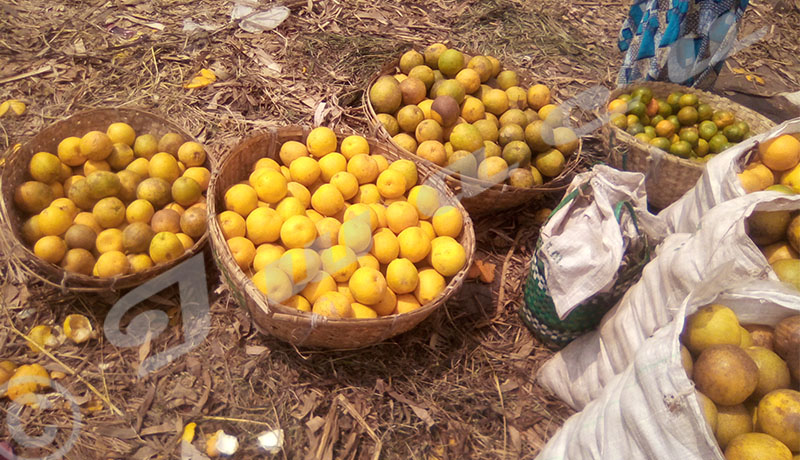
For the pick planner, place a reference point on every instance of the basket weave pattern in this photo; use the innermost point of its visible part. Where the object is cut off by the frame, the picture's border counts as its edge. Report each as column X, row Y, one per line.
column 287, row 323
column 14, row 173
column 668, row 176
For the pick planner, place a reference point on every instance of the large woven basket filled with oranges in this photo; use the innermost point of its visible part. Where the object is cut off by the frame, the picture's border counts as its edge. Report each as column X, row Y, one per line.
column 335, row 241
column 105, row 199
column 668, row 132
column 497, row 142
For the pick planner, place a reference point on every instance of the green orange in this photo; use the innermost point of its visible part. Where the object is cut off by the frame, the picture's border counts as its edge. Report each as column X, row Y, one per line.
column 660, row 142
column 681, row 148
column 707, row 129
column 717, row 143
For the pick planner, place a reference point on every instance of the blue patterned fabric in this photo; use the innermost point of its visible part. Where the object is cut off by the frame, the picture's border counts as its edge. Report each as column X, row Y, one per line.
column 682, row 41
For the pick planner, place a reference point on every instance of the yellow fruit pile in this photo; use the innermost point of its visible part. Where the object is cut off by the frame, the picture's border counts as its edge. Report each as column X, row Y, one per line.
column 341, row 232
column 777, row 234
column 474, row 118
column 744, row 385
column 680, row 124
column 776, row 167
column 112, row 203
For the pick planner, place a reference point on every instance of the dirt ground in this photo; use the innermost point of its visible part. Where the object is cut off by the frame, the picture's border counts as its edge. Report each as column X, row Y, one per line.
column 462, row 384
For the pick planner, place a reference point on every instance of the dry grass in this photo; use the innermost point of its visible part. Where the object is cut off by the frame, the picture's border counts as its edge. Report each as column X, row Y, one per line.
column 459, row 386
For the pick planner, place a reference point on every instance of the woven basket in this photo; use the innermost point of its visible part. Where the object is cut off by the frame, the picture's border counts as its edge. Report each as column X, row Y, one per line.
column 287, row 323
column 478, row 196
column 539, row 311
column 668, row 176
column 14, row 173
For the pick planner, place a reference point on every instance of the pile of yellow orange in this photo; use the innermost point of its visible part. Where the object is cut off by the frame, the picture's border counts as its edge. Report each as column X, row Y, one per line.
column 777, row 233
column 744, row 381
column 337, row 230
column 112, row 203
column 467, row 114
column 776, row 167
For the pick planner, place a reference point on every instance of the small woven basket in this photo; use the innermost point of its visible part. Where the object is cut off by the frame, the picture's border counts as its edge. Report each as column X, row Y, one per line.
column 668, row 176
column 287, row 323
column 539, row 311
column 478, row 197
column 14, row 173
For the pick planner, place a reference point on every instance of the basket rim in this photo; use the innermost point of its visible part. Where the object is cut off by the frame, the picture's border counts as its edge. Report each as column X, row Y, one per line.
column 557, row 183
column 651, row 150
column 75, row 281
column 279, row 311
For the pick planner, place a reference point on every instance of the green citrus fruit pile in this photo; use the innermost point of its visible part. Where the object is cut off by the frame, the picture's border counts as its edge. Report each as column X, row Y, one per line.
column 681, row 124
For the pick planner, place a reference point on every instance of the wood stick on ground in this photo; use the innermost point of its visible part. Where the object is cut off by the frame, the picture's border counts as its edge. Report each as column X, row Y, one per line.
column 501, row 295
column 354, row 413
column 32, row 73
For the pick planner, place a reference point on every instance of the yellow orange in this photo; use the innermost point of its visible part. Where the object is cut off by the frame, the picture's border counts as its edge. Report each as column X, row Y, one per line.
column 290, row 206
column 111, row 264
column 402, row 276
column 232, row 224
column 406, row 303
column 363, row 167
column 243, row 251
column 50, row 248
column 385, row 246
column 430, row 285
column 354, row 145
column 448, row 258
column 331, row 164
column 425, row 199
column 340, row 261
column 367, row 285
column 414, row 244
column 291, row 150
column 448, row 221
column 391, row 183
column 264, row 225
column 300, row 264
column 333, row 305
column 346, row 183
column 241, row 199
column 305, row 170
column 327, row 200
column 409, row 170
column 267, row 254
column 356, row 234
column 781, row 153
column 270, row 185
column 299, row 191
column 298, row 232
column 273, row 283
column 364, row 212
column 321, row 141
column 367, row 194
column 401, row 215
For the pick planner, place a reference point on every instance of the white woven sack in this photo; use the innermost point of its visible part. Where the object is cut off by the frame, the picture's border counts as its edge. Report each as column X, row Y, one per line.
column 719, row 182
column 584, row 240
column 720, row 247
column 650, row 409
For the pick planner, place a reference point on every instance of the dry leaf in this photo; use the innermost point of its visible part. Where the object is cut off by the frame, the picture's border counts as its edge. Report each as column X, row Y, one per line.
column 487, row 270
column 473, row 271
